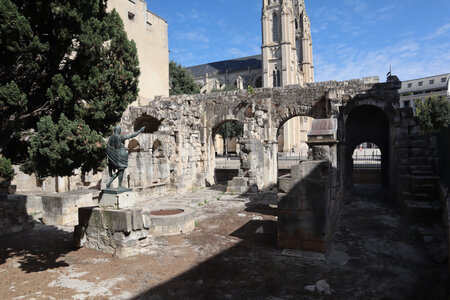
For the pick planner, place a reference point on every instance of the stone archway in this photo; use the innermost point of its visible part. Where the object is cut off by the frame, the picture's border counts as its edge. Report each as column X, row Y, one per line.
column 367, row 123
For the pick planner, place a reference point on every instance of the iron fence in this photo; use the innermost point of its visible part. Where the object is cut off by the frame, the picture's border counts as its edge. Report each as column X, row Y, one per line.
column 366, row 161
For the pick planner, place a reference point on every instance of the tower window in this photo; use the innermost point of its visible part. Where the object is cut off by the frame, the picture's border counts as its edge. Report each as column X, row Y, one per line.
column 275, row 28
column 299, row 50
column 443, row 79
column 420, row 83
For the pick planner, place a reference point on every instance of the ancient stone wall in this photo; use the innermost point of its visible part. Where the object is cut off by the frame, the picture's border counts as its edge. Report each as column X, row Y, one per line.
column 187, row 124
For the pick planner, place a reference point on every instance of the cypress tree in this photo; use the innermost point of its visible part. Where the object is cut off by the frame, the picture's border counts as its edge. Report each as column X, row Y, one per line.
column 67, row 73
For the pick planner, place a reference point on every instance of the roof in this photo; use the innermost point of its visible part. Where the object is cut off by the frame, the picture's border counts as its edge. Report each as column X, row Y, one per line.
column 426, row 83
column 232, row 65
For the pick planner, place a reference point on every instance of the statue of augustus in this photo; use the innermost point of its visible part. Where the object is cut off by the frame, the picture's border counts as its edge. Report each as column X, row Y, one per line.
column 118, row 155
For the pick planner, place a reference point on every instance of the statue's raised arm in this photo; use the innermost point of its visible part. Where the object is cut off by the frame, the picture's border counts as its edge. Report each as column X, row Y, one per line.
column 117, row 154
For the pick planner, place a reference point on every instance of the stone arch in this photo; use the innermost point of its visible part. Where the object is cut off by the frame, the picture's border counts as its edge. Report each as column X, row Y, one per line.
column 367, row 123
column 157, row 149
column 151, row 124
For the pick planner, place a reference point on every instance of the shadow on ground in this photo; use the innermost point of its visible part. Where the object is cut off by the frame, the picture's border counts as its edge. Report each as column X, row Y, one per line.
column 44, row 249
column 375, row 255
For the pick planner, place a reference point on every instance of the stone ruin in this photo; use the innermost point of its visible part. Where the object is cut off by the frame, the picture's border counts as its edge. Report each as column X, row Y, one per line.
column 176, row 151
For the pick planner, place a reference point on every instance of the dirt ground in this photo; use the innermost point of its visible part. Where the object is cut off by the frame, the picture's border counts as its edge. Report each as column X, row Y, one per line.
column 232, row 254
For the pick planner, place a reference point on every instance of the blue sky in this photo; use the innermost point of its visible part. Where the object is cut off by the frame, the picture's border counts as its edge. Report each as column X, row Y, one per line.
column 351, row 38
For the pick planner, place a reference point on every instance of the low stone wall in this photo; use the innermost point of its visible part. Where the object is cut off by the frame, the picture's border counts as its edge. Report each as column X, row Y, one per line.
column 303, row 207
column 14, row 213
column 126, row 232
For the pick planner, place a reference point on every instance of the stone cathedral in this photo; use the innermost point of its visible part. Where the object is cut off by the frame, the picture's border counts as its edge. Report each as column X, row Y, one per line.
column 286, row 59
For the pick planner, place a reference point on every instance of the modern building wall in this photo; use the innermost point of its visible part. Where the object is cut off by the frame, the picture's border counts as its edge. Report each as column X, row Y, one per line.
column 421, row 88
column 149, row 32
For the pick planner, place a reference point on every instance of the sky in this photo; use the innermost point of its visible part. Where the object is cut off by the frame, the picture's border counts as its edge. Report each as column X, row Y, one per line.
column 351, row 38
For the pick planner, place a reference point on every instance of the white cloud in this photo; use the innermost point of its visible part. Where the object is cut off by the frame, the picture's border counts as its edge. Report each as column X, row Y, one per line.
column 440, row 31
column 409, row 60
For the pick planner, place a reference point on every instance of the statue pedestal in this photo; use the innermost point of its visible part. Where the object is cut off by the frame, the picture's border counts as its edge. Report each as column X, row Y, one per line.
column 117, row 198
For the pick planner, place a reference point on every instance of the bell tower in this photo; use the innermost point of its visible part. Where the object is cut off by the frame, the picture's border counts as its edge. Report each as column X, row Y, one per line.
column 286, row 43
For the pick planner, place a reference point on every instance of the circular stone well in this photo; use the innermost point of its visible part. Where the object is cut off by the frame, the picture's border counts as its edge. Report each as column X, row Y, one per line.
column 171, row 220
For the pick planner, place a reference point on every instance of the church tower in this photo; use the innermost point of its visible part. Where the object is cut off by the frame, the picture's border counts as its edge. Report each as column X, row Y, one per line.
column 286, row 43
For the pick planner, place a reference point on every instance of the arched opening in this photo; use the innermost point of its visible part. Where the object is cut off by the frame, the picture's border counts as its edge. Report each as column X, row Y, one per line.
column 366, row 164
column 226, row 147
column 151, row 124
column 367, row 123
column 292, row 147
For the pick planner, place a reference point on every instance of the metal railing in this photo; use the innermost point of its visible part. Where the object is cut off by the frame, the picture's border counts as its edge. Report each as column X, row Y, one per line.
column 287, row 160
column 230, row 162
column 366, row 161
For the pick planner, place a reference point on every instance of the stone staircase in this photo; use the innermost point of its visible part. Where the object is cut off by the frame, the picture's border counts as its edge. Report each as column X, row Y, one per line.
column 419, row 190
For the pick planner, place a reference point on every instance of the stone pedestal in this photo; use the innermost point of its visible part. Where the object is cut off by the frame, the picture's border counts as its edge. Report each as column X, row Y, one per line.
column 117, row 198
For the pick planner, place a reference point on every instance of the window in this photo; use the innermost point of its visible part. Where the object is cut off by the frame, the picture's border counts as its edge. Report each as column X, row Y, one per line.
column 407, row 103
column 432, row 81
column 298, row 45
column 131, row 16
column 276, row 78
column 275, row 28
column 420, row 83
column 443, row 79
column 132, row 1
column 409, row 85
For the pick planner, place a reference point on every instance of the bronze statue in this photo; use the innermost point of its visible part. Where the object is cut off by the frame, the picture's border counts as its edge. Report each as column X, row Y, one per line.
column 118, row 155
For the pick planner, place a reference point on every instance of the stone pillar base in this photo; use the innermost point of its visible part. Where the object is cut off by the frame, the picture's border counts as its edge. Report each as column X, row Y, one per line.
column 117, row 198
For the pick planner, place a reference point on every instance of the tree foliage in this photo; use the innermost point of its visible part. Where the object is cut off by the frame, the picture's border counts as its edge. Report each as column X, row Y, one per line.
column 433, row 114
column 67, row 73
column 231, row 129
column 182, row 82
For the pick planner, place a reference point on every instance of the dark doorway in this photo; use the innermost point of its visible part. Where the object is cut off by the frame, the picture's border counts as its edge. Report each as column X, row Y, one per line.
column 367, row 124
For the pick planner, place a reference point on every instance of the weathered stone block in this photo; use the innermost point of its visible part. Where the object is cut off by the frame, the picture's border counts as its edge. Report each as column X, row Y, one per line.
column 138, row 222
column 311, row 169
column 117, row 198
column 117, row 220
column 62, row 208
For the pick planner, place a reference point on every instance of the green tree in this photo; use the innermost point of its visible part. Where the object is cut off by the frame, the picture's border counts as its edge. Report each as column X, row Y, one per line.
column 67, row 73
column 433, row 114
column 229, row 130
column 182, row 81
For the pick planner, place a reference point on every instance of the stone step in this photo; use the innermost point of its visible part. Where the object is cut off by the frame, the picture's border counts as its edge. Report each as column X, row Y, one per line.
column 416, row 138
column 420, row 152
column 422, row 211
column 420, row 160
column 423, row 179
column 422, row 173
column 417, row 144
column 425, row 168
column 424, row 188
column 420, row 197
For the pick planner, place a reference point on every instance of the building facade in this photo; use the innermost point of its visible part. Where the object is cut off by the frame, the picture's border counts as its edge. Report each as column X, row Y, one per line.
column 286, row 43
column 286, row 53
column 149, row 32
column 286, row 59
column 421, row 88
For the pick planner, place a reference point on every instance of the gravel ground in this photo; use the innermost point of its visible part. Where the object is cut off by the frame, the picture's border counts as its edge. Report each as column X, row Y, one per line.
column 232, row 254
